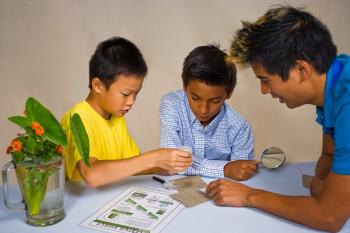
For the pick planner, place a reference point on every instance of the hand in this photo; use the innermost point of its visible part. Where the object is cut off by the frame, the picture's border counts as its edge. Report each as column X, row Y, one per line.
column 172, row 160
column 229, row 193
column 316, row 186
column 241, row 169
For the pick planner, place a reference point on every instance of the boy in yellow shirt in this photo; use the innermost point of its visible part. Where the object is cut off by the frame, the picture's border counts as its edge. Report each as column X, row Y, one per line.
column 117, row 70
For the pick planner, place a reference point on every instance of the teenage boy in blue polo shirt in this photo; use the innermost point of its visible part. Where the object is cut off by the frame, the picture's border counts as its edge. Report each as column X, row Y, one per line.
column 294, row 57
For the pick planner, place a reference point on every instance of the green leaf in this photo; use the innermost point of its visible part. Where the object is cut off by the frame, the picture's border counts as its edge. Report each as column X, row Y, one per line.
column 17, row 156
column 80, row 136
column 35, row 111
column 21, row 121
column 31, row 145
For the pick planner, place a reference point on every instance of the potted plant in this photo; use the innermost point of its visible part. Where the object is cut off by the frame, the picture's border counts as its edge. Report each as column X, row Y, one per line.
column 39, row 164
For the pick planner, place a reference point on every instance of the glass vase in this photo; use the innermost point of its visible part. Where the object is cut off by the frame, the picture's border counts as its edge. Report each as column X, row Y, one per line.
column 42, row 191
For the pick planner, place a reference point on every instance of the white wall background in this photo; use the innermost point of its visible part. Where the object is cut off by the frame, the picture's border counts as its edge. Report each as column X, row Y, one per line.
column 45, row 46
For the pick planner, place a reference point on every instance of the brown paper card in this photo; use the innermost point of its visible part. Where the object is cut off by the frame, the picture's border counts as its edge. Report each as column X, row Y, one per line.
column 190, row 197
column 307, row 180
column 189, row 182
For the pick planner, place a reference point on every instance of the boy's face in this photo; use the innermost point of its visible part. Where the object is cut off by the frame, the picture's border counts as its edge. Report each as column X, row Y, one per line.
column 120, row 96
column 205, row 100
column 292, row 92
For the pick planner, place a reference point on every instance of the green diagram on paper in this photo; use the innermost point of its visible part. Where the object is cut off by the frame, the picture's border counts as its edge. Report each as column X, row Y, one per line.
column 136, row 210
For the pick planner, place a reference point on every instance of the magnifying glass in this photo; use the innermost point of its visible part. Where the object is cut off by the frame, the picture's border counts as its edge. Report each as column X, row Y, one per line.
column 273, row 158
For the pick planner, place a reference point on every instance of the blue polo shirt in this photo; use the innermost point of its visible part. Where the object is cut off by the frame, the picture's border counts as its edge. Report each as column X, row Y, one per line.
column 334, row 116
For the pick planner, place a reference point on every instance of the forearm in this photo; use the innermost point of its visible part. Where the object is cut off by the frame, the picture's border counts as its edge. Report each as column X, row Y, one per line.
column 155, row 170
column 306, row 210
column 329, row 211
column 104, row 172
column 323, row 166
column 324, row 163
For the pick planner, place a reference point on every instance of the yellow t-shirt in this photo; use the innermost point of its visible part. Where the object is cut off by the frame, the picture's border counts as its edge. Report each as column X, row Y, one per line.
column 108, row 139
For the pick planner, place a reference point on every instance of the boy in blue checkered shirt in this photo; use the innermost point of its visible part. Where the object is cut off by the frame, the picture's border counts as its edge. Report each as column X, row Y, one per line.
column 198, row 117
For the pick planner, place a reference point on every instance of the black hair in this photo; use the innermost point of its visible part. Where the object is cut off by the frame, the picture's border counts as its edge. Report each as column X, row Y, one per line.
column 208, row 64
column 282, row 36
column 113, row 57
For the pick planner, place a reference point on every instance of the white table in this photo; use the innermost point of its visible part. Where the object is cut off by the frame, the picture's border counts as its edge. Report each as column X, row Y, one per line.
column 81, row 202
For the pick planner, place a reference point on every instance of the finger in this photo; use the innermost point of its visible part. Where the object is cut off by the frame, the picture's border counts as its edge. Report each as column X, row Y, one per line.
column 180, row 164
column 217, row 199
column 211, row 186
column 184, row 154
column 244, row 171
column 173, row 172
column 181, row 168
column 178, row 169
column 182, row 159
column 251, row 172
column 173, row 164
column 247, row 164
column 212, row 193
column 218, row 187
column 248, row 175
column 253, row 165
column 242, row 178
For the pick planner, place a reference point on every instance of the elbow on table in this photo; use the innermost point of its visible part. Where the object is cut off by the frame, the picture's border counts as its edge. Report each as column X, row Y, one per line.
column 333, row 223
column 90, row 179
column 92, row 183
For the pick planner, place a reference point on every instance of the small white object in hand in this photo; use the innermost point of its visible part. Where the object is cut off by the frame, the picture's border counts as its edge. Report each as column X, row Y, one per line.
column 187, row 149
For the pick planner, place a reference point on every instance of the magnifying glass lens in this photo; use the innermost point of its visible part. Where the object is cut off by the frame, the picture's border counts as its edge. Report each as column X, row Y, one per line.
column 273, row 158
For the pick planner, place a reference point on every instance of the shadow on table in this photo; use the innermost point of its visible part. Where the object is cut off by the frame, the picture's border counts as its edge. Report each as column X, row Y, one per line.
column 75, row 190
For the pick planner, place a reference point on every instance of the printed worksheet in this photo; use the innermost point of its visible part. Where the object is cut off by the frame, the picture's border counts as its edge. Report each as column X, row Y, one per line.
column 136, row 210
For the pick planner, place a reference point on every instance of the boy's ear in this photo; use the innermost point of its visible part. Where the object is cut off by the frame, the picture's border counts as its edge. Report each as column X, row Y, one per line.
column 304, row 69
column 97, row 85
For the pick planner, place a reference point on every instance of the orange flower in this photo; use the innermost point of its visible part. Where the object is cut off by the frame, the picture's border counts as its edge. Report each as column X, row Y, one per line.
column 16, row 145
column 35, row 125
column 59, row 149
column 39, row 130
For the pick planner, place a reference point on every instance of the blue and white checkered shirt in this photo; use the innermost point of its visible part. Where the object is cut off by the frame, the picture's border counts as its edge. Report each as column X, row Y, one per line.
column 228, row 137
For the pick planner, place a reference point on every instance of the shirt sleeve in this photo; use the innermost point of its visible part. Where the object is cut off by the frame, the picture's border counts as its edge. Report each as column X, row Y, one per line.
column 207, row 167
column 169, row 124
column 242, row 143
column 341, row 157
